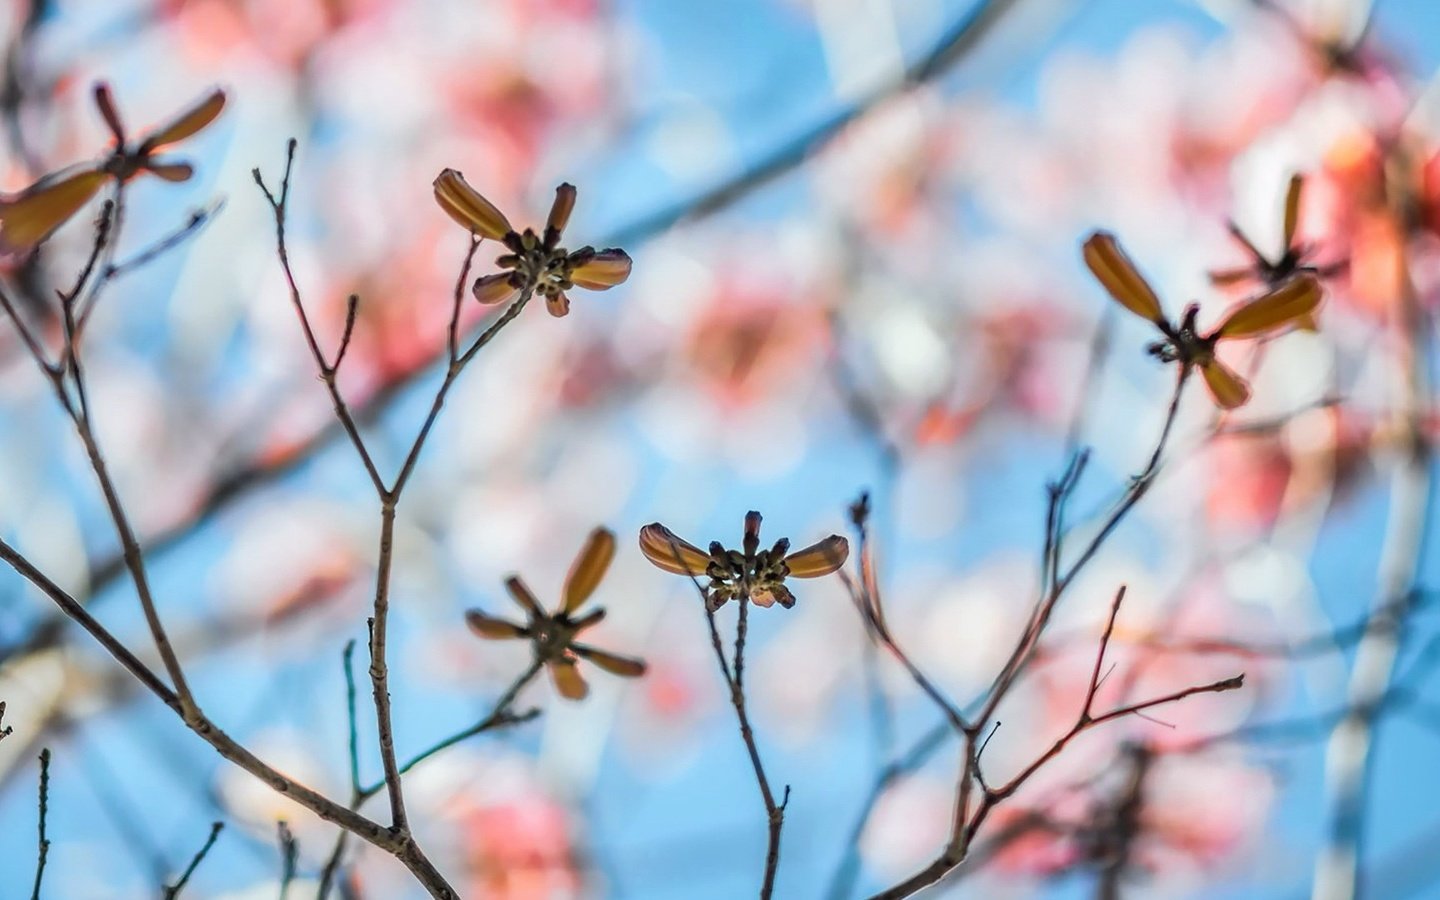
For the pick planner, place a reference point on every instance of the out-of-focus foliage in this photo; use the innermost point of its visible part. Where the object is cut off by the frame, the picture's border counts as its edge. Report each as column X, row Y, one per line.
column 904, row 310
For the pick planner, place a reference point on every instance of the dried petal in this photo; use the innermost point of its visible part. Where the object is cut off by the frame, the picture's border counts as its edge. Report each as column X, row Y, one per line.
column 468, row 207
column 589, row 567
column 522, row 595
column 1119, row 276
column 187, row 123
column 1227, row 388
column 624, row 666
column 1292, row 207
column 589, row 620
column 492, row 289
column 820, row 558
column 490, row 627
column 762, row 596
column 1227, row 277
column 32, row 215
column 752, row 532
column 602, row 271
column 105, row 102
column 1280, row 308
column 568, row 680
column 557, row 304
column 672, row 553
column 560, row 209
column 170, row 171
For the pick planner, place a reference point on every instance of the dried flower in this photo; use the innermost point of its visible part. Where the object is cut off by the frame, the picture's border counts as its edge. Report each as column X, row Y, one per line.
column 1291, row 262
column 552, row 635
column 751, row 573
column 1284, row 306
column 535, row 261
column 31, row 216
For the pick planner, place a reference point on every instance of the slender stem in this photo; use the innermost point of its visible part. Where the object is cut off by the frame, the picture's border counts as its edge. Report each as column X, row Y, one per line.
column 289, row 855
column 1139, row 485
column 354, row 745
column 135, row 562
column 43, row 849
column 955, row 852
column 451, row 374
column 735, row 679
column 72, row 608
column 174, row 890
column 279, row 208
column 499, row 716
column 380, row 673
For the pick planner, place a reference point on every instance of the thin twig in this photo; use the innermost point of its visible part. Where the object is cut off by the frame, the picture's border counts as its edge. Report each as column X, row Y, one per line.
column 199, row 218
column 402, row 847
column 354, row 746
column 965, row 824
column 174, row 890
column 500, row 716
column 43, row 847
column 289, row 856
column 993, row 797
column 734, row 676
column 279, row 207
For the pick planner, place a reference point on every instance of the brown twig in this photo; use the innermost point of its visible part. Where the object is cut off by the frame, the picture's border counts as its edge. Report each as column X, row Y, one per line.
column 500, row 716
column 965, row 822
column 278, row 208
column 388, row 495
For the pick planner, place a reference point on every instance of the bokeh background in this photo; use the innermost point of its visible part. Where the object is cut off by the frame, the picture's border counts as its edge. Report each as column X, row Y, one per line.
column 855, row 226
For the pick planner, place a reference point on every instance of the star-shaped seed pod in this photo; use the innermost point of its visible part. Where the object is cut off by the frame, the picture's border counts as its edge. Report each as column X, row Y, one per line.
column 552, row 635
column 535, row 261
column 750, row 573
column 31, row 216
column 1294, row 260
column 1282, row 307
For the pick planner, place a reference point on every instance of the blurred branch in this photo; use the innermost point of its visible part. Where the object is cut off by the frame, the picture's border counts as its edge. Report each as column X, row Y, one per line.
column 193, row 225
column 1117, row 840
column 1348, row 757
column 842, row 880
column 1099, row 353
column 289, row 856
column 173, row 891
column 17, row 88
column 958, row 40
